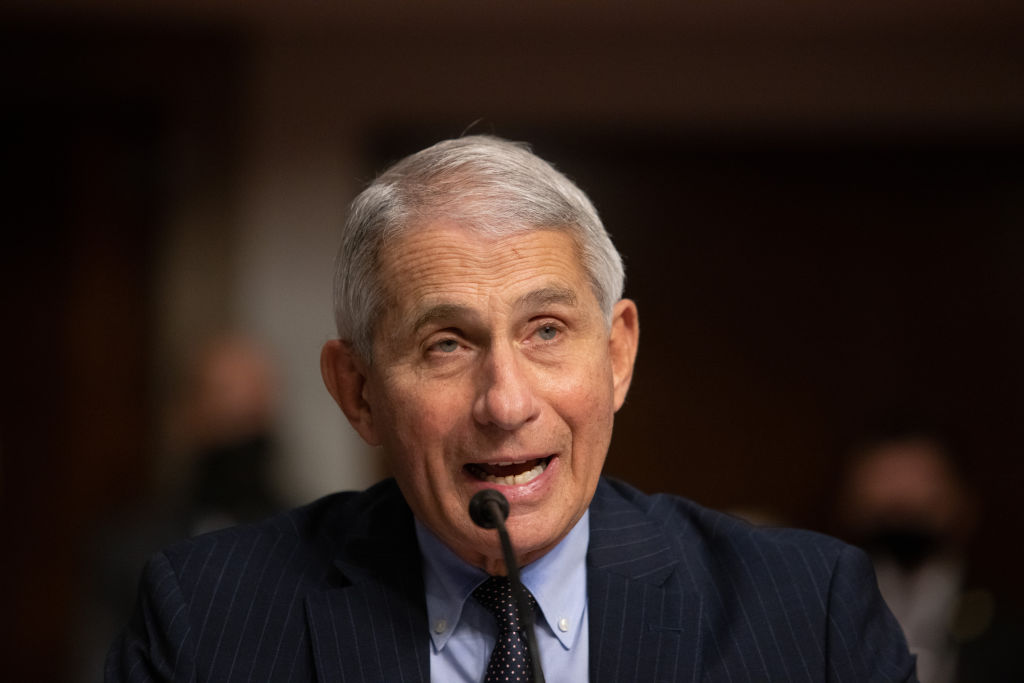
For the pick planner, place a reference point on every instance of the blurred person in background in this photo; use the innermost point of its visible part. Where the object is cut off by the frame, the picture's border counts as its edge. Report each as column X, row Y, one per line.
column 905, row 499
column 228, row 420
column 222, row 440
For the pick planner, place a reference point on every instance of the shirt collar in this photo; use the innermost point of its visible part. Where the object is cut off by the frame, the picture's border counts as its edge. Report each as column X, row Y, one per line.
column 557, row 580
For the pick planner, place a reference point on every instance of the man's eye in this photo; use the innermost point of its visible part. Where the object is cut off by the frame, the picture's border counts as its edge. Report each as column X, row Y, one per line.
column 547, row 332
column 447, row 345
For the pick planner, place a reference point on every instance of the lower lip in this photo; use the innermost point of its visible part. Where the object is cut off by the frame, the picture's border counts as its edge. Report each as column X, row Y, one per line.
column 517, row 492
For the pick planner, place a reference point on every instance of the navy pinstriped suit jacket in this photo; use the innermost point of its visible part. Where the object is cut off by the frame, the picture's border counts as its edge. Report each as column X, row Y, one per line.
column 333, row 592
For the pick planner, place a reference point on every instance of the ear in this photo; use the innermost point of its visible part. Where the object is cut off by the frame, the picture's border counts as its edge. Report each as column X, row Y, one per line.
column 622, row 346
column 345, row 375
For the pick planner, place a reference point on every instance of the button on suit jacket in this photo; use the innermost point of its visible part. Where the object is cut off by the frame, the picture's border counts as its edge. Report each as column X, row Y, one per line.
column 333, row 592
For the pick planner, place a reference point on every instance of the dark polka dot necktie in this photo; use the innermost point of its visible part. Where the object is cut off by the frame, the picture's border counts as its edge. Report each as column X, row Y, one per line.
column 510, row 660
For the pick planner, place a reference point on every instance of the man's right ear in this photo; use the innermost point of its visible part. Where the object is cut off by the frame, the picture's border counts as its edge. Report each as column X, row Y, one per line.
column 344, row 374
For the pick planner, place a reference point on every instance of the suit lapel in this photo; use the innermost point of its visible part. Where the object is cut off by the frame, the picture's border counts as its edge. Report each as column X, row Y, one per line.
column 368, row 633
column 371, row 625
column 644, row 621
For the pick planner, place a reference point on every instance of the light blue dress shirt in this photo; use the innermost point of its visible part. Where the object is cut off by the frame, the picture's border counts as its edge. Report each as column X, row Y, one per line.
column 463, row 632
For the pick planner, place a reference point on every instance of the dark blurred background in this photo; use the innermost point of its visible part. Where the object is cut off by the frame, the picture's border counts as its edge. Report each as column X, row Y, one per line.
column 821, row 207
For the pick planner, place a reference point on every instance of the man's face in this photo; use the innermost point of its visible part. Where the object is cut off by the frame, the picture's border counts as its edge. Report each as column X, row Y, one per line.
column 494, row 367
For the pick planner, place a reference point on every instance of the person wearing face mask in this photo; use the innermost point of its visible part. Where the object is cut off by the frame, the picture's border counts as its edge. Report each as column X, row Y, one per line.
column 906, row 502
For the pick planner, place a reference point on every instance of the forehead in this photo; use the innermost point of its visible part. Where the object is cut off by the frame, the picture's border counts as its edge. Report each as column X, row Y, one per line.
column 443, row 262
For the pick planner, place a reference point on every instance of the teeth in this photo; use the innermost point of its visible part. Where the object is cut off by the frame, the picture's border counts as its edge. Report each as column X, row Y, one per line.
column 518, row 479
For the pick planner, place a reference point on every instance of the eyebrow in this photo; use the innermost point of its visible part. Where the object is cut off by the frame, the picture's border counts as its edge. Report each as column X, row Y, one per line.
column 538, row 298
column 442, row 312
column 547, row 296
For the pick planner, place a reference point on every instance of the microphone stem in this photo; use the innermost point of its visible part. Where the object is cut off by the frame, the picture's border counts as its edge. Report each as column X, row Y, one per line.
column 525, row 612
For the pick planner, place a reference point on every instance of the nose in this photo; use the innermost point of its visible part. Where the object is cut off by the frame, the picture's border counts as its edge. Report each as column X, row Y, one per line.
column 505, row 397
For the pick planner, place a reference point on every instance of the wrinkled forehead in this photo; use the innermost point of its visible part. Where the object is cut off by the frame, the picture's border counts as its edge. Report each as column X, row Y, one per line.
column 431, row 246
column 407, row 239
column 445, row 269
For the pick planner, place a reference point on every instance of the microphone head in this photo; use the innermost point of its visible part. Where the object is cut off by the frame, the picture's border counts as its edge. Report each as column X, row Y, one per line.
column 485, row 505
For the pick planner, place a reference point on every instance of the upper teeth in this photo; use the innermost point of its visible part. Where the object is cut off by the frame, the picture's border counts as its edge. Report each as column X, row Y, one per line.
column 517, row 479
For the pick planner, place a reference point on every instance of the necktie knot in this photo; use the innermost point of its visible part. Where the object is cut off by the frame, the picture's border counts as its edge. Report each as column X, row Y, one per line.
column 497, row 596
column 510, row 660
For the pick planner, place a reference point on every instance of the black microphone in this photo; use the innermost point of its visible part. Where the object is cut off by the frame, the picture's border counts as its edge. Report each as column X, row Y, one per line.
column 489, row 509
column 486, row 507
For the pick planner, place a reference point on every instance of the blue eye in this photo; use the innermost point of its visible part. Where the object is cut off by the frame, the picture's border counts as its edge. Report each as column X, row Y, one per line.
column 447, row 345
column 547, row 332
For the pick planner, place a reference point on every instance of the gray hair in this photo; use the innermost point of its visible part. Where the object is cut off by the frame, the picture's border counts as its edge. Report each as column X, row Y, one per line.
column 494, row 186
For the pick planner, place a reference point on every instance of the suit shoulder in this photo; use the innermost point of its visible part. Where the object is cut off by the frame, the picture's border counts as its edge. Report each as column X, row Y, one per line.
column 787, row 600
column 721, row 534
column 210, row 603
column 304, row 538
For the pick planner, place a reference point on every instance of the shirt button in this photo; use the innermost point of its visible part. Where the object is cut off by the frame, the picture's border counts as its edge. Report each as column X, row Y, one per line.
column 440, row 626
column 563, row 624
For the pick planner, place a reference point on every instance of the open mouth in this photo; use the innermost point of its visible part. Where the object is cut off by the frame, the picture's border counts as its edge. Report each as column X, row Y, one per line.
column 509, row 473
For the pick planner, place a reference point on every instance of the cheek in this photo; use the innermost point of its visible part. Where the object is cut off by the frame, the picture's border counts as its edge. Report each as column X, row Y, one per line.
column 420, row 424
column 587, row 397
column 590, row 411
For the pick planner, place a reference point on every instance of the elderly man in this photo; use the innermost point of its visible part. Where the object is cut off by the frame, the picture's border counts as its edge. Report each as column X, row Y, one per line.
column 484, row 344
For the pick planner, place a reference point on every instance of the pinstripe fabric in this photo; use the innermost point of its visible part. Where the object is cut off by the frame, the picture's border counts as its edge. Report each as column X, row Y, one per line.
column 333, row 592
column 680, row 593
column 329, row 592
